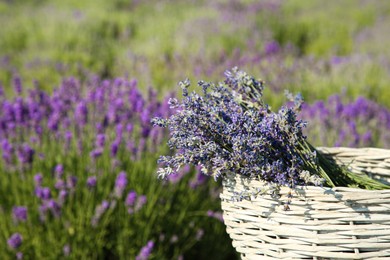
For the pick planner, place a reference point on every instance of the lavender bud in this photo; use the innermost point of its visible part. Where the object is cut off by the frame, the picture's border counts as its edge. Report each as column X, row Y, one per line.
column 43, row 193
column 59, row 171
column 145, row 251
column 131, row 198
column 71, row 182
column 54, row 208
column 100, row 140
column 141, row 201
column 60, row 184
column 96, row 153
column 19, row 213
column 62, row 196
column 115, row 147
column 120, row 184
column 38, row 178
column 15, row 241
column 91, row 182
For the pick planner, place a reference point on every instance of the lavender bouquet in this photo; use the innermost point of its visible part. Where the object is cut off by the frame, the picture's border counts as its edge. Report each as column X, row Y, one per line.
column 229, row 129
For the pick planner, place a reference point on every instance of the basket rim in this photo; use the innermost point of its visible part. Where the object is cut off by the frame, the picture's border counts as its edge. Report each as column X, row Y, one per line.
column 227, row 180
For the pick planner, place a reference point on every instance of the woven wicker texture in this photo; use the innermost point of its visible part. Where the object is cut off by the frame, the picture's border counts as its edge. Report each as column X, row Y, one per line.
column 322, row 223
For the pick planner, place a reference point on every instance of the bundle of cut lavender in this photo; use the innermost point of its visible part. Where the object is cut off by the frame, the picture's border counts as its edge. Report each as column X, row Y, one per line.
column 229, row 128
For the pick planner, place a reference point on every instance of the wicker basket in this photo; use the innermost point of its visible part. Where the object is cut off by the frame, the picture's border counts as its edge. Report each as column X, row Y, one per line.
column 322, row 223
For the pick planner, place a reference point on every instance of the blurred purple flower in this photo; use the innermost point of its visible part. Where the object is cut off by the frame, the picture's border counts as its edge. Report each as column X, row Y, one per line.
column 54, row 207
column 81, row 113
column 71, row 182
column 141, row 201
column 66, row 250
column 336, row 60
column 43, row 193
column 42, row 212
column 62, row 196
column 25, row 154
column 99, row 211
column 216, row 215
column 200, row 178
column 115, row 147
column 15, row 241
column 17, row 84
column 100, row 140
column 19, row 255
column 120, row 184
column 38, row 178
column 131, row 198
column 271, row 48
column 129, row 128
column 96, row 153
column 58, row 171
column 7, row 150
column 19, row 213
column 91, row 182
column 145, row 251
column 60, row 184
column 367, row 137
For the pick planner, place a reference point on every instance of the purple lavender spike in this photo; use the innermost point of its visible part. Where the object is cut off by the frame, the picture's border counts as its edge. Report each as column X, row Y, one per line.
column 130, row 198
column 17, row 85
column 120, row 184
column 59, row 171
column 15, row 241
column 19, row 213
column 146, row 251
column 91, row 182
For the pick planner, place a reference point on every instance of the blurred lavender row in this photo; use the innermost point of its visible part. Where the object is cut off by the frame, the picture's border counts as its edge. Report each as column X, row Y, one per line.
column 360, row 123
column 73, row 113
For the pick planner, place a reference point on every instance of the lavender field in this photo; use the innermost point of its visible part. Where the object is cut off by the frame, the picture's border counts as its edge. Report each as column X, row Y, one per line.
column 80, row 82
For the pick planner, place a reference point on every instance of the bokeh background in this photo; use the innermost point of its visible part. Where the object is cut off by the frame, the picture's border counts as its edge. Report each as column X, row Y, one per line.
column 80, row 81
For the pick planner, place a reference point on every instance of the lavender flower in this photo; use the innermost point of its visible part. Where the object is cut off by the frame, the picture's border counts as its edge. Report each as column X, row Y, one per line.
column 66, row 250
column 100, row 140
column 99, row 211
column 130, row 198
column 19, row 213
column 43, row 193
column 60, row 184
column 62, row 195
column 115, row 147
column 15, row 241
column 59, row 171
column 120, row 184
column 25, row 154
column 141, row 201
column 54, row 207
column 17, row 85
column 216, row 215
column 91, row 182
column 271, row 48
column 38, row 178
column 7, row 150
column 81, row 113
column 71, row 182
column 96, row 153
column 145, row 252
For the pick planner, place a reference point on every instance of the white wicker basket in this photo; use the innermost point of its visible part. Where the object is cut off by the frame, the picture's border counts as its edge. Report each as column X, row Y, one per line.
column 322, row 223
